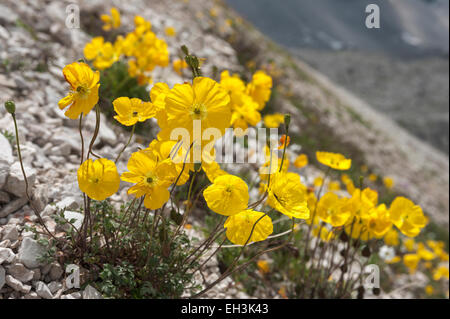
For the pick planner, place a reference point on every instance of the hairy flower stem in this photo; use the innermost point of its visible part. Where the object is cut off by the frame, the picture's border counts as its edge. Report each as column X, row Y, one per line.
column 87, row 208
column 19, row 153
column 308, row 234
column 126, row 145
column 97, row 128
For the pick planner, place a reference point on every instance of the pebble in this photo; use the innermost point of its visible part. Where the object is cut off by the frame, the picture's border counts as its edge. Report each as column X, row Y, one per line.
column 17, row 285
column 29, row 253
column 19, row 272
column 43, row 291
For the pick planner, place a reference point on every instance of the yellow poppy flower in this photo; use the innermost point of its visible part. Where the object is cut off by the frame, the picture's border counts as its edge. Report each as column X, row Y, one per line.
column 231, row 83
column 170, row 31
column 108, row 54
column 98, row 179
column 441, row 272
column 273, row 120
column 357, row 228
column 407, row 216
column 151, row 178
column 388, row 182
column 83, row 93
column 130, row 111
column 260, row 88
column 212, row 170
column 288, row 195
column 424, row 253
column 93, row 49
column 228, row 195
column 179, row 65
column 373, row 177
column 301, row 161
column 429, row 290
column 325, row 235
column 244, row 112
column 204, row 100
column 172, row 150
column 263, row 266
column 391, row 238
column 334, row 186
column 318, row 181
column 112, row 21
column 333, row 210
column 334, row 160
column 378, row 222
column 409, row 244
column 411, row 261
column 244, row 108
column 240, row 225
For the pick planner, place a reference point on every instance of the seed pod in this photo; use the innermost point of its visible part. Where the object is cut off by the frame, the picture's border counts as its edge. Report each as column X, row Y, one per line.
column 356, row 243
column 366, row 252
column 376, row 291
column 343, row 237
column 176, row 217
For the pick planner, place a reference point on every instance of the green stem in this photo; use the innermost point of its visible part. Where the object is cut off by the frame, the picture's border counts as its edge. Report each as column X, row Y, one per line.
column 19, row 153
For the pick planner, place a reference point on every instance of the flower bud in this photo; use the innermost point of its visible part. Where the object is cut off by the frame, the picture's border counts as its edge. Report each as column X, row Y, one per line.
column 366, row 252
column 287, row 121
column 185, row 49
column 10, row 106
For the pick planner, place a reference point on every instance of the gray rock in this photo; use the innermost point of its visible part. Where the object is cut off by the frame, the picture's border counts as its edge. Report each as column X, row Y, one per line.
column 2, row 277
column 43, row 291
column 31, row 295
column 54, row 286
column 29, row 253
column 69, row 215
column 6, row 159
column 56, row 271
column 5, row 243
column 19, row 272
column 10, row 232
column 69, row 203
column 17, row 285
column 91, row 293
column 37, row 274
column 6, row 255
column 7, row 15
column 15, row 184
column 4, row 197
column 74, row 295
column 13, row 206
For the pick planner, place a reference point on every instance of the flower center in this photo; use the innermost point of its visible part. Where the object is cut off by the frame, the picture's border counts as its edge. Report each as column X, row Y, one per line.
column 83, row 91
column 94, row 180
column 198, row 111
column 150, row 179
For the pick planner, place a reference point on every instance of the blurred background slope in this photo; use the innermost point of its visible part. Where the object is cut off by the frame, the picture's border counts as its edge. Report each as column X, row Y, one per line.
column 400, row 69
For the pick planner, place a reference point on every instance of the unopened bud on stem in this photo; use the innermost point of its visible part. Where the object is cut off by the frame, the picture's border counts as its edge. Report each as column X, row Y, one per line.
column 10, row 106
